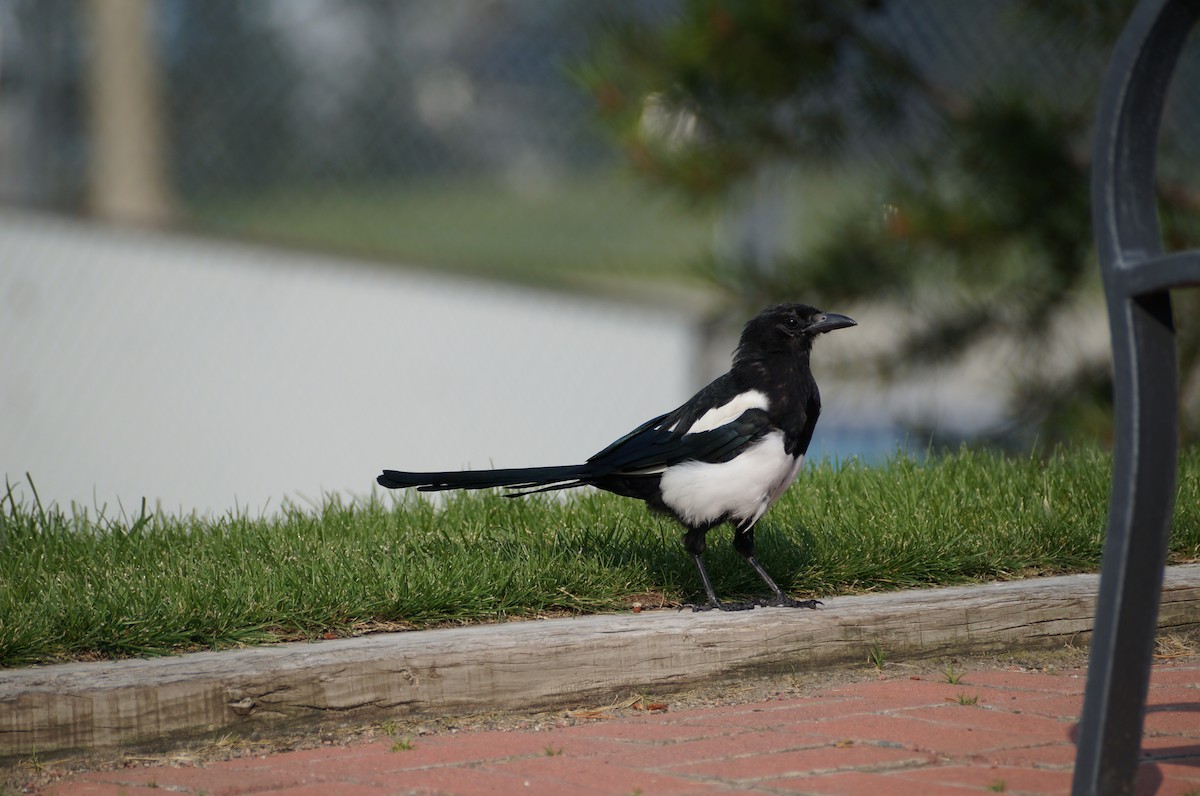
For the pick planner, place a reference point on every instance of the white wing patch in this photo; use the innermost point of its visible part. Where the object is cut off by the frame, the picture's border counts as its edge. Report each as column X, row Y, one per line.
column 727, row 413
column 743, row 487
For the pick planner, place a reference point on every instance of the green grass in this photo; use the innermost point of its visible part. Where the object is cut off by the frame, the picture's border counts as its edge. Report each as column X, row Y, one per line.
column 581, row 231
column 876, row 656
column 73, row 584
column 603, row 230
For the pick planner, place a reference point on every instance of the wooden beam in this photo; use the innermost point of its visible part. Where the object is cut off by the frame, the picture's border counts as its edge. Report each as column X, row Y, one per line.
column 535, row 665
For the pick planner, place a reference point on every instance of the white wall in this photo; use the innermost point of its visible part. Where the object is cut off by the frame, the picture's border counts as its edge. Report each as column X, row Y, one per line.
column 204, row 375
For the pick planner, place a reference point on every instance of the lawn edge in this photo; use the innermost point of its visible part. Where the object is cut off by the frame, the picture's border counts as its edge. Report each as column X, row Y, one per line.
column 553, row 663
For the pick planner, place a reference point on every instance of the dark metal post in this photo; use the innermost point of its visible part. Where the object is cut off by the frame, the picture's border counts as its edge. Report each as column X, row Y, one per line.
column 1137, row 281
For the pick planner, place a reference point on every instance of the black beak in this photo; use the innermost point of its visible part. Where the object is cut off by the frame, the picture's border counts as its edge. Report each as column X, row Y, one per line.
column 828, row 321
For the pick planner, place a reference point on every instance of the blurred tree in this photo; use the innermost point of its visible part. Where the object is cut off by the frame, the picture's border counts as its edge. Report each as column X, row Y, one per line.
column 230, row 81
column 973, row 210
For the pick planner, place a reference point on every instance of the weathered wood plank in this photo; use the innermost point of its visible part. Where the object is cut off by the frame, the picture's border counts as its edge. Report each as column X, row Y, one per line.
column 544, row 664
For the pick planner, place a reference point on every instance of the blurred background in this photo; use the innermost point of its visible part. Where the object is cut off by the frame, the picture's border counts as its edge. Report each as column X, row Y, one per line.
column 254, row 252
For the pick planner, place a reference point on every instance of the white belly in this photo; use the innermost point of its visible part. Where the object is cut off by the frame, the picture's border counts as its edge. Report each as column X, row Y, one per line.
column 744, row 487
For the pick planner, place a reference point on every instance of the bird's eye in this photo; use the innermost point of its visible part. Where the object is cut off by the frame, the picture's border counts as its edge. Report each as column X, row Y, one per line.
column 791, row 323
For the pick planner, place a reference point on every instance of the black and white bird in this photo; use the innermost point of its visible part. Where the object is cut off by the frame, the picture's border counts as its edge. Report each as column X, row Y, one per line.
column 724, row 456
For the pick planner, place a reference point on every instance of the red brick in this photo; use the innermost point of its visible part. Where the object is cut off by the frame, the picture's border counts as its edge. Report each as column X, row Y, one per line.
column 1061, row 683
column 822, row 760
column 1186, row 675
column 917, row 734
column 75, row 788
column 667, row 755
column 343, row 789
column 1183, row 721
column 216, row 780
column 1185, row 770
column 562, row 775
column 620, row 730
column 887, row 694
column 1168, row 746
column 435, row 751
column 856, row 783
column 1037, row 729
column 761, row 706
column 460, row 781
column 1056, row 756
column 982, row 777
column 1174, row 698
column 779, row 714
column 1156, row 780
column 1062, row 706
column 316, row 755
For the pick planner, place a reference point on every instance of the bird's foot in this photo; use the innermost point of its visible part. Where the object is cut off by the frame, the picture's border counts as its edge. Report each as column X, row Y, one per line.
column 720, row 606
column 783, row 601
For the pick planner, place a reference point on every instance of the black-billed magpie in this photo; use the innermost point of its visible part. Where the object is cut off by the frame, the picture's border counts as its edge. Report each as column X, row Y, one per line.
column 724, row 456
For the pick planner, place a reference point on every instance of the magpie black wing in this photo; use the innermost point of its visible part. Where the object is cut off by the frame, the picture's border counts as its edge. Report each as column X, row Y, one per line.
column 644, row 428
column 647, row 450
column 665, row 440
column 654, row 447
column 720, row 391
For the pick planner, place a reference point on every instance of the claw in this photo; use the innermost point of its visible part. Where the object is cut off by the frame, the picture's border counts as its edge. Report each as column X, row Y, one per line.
column 773, row 602
column 788, row 602
column 720, row 606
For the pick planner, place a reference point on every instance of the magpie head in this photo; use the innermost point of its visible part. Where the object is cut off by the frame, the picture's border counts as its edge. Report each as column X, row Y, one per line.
column 789, row 328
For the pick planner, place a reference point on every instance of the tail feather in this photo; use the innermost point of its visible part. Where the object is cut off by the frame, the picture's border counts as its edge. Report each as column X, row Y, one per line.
column 531, row 479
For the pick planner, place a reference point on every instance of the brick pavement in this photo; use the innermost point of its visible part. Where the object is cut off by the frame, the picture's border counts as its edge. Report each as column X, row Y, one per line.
column 993, row 731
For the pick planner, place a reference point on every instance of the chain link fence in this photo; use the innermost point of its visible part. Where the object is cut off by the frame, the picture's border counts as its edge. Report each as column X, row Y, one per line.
column 436, row 133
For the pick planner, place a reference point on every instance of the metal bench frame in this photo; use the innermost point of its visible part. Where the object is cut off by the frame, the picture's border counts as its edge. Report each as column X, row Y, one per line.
column 1138, row 278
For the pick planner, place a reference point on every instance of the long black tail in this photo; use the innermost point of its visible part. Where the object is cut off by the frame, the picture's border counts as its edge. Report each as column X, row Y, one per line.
column 527, row 479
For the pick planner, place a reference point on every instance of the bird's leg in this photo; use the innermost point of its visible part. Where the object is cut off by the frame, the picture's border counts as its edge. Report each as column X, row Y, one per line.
column 693, row 540
column 743, row 542
column 780, row 599
column 713, row 602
